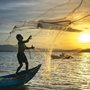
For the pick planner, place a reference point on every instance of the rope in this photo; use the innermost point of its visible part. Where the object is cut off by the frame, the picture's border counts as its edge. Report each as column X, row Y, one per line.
column 81, row 18
column 74, row 10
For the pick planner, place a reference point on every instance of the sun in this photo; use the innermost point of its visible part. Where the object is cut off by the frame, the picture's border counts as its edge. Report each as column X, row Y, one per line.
column 84, row 38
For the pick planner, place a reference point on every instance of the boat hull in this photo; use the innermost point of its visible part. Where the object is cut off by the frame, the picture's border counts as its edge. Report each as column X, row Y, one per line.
column 20, row 78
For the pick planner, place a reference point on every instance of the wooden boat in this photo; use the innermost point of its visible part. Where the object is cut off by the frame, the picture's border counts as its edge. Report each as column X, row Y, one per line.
column 20, row 78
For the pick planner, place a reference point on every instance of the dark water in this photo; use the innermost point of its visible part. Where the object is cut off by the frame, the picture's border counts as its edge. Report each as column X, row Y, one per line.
column 54, row 74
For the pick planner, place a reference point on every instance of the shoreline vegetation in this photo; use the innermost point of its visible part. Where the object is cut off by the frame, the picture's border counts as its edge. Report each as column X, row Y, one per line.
column 11, row 48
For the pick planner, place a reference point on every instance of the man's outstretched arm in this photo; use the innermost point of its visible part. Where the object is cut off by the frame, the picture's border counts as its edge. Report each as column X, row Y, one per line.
column 25, row 41
column 32, row 47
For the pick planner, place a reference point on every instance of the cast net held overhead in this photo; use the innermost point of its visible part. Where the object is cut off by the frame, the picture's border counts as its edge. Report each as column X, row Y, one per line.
column 33, row 24
column 63, row 23
column 54, row 24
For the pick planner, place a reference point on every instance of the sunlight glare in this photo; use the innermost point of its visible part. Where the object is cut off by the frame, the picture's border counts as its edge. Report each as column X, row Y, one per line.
column 85, row 38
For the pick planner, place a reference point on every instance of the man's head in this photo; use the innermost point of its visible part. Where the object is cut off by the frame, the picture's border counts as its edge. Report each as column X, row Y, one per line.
column 19, row 37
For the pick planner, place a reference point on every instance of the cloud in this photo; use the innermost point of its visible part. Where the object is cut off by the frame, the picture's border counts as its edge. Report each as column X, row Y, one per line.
column 73, row 30
column 11, row 10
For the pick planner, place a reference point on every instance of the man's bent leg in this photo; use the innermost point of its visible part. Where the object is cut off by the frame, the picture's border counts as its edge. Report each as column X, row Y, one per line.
column 26, row 65
column 19, row 67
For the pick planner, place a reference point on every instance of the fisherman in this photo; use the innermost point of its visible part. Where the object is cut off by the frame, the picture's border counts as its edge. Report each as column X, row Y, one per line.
column 21, row 48
column 62, row 55
column 39, row 25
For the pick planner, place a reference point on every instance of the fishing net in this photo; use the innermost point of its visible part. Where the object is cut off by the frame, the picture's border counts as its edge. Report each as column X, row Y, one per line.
column 71, row 18
column 59, row 25
column 72, row 15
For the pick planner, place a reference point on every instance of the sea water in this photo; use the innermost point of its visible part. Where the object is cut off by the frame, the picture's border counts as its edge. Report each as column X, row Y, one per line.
column 54, row 74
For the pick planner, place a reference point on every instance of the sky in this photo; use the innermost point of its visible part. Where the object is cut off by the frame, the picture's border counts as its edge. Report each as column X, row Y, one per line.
column 13, row 12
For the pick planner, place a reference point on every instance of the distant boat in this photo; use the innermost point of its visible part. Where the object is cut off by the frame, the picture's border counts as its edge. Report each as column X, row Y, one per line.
column 62, row 56
column 18, row 79
column 55, row 57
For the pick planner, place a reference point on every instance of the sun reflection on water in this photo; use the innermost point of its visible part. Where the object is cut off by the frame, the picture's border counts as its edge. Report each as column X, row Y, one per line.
column 46, row 74
column 84, row 71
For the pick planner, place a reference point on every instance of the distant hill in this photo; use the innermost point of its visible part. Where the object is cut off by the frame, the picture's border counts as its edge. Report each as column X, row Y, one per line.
column 57, row 50
column 11, row 48
column 7, row 48
column 85, row 50
column 62, row 50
